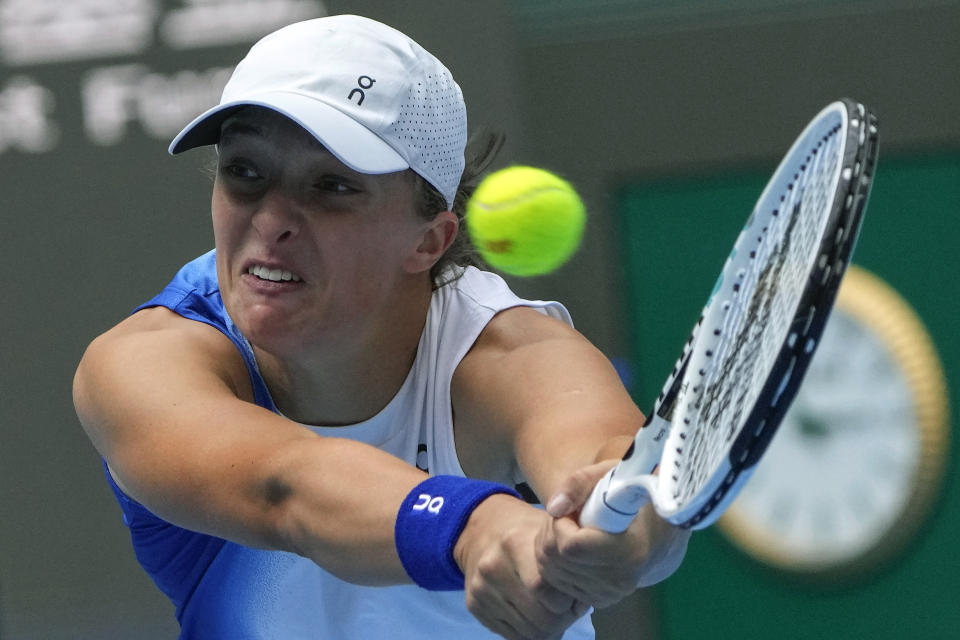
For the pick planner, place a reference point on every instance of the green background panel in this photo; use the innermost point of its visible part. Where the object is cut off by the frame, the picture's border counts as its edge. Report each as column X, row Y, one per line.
column 676, row 236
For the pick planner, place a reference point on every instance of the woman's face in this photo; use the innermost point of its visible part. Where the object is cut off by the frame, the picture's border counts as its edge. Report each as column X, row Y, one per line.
column 308, row 250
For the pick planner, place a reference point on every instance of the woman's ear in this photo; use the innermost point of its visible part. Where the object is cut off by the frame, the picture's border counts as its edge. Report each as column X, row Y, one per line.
column 435, row 238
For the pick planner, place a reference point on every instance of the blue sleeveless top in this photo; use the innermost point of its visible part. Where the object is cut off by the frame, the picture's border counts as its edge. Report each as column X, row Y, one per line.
column 174, row 557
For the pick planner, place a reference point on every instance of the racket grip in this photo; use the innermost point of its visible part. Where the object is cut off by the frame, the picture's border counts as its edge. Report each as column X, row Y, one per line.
column 612, row 505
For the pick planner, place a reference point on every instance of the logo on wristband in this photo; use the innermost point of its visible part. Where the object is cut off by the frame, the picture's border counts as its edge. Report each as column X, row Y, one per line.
column 430, row 503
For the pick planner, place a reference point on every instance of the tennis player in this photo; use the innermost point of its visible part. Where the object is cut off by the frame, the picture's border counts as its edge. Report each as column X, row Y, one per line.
column 315, row 430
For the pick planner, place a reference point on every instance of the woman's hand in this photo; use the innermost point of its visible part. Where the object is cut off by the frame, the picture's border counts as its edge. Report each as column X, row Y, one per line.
column 599, row 568
column 504, row 588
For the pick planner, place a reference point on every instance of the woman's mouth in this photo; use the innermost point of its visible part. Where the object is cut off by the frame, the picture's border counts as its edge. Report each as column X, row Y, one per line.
column 273, row 275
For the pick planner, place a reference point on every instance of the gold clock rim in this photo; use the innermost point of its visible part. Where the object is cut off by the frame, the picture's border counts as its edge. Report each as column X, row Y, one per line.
column 879, row 307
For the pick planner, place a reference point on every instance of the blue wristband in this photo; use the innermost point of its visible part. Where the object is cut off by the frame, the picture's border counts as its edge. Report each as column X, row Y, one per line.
column 430, row 522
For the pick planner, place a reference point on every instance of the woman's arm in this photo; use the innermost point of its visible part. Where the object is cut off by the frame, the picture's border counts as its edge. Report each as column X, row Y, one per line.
column 165, row 402
column 539, row 389
column 547, row 397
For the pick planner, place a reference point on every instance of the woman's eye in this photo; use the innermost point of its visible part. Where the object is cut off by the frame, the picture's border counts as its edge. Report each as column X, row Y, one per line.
column 334, row 185
column 240, row 171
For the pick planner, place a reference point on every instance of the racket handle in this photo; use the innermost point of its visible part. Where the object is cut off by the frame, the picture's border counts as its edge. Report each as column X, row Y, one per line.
column 613, row 505
column 616, row 500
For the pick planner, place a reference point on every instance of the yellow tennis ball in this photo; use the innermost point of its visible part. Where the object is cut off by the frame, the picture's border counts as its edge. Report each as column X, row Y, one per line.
column 525, row 221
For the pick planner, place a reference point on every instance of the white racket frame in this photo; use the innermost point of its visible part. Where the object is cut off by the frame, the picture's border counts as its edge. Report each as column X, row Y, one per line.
column 633, row 482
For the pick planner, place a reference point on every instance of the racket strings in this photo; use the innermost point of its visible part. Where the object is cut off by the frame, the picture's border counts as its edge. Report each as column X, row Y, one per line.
column 757, row 315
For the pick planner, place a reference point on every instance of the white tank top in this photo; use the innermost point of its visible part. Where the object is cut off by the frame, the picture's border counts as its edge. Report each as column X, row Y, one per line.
column 417, row 426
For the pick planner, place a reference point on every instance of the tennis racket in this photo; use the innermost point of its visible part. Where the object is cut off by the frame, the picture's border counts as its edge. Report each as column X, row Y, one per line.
column 744, row 361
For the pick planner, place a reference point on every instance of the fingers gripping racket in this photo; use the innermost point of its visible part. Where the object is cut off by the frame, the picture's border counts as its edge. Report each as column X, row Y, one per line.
column 747, row 355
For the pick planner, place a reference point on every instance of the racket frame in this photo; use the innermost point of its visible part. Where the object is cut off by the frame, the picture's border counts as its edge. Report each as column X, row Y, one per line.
column 632, row 482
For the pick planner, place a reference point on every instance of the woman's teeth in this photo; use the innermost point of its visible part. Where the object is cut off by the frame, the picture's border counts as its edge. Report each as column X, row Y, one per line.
column 274, row 275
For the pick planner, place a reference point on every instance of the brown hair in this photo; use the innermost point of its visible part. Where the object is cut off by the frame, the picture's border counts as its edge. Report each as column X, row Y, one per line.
column 480, row 153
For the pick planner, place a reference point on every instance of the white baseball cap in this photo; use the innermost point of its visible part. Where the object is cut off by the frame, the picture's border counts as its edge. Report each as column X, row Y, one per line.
column 373, row 97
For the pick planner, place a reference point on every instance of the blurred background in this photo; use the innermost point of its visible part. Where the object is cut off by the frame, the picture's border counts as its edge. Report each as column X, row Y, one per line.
column 668, row 116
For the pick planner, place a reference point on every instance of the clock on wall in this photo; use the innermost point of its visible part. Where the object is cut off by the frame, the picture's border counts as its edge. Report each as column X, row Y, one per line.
column 856, row 465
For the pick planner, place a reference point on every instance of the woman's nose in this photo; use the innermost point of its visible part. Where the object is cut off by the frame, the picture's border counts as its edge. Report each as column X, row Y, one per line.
column 276, row 219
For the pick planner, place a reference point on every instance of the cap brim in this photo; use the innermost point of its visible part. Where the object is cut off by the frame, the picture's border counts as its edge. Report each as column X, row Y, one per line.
column 351, row 142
